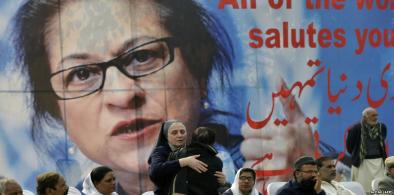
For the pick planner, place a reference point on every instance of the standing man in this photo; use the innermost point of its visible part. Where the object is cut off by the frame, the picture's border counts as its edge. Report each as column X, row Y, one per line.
column 305, row 180
column 366, row 143
column 327, row 173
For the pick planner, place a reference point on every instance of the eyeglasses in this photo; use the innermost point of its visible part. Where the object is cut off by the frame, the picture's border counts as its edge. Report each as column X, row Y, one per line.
column 309, row 171
column 246, row 178
column 330, row 166
column 140, row 61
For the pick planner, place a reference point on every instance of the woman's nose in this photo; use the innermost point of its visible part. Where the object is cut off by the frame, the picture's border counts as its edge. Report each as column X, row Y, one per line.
column 122, row 91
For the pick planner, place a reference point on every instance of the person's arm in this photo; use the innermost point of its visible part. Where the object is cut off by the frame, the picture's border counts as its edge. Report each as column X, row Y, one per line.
column 384, row 131
column 318, row 189
column 350, row 140
column 160, row 167
column 194, row 163
column 221, row 178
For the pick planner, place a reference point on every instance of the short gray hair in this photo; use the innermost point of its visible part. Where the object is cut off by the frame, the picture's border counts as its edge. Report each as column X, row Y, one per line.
column 366, row 110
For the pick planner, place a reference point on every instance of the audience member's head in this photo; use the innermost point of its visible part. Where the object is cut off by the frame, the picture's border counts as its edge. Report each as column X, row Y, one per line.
column 326, row 167
column 204, row 135
column 305, row 171
column 51, row 183
column 247, row 179
column 103, row 179
column 389, row 164
column 10, row 187
column 370, row 116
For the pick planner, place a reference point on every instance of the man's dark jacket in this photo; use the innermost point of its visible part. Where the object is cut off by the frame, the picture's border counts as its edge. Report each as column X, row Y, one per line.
column 353, row 143
column 294, row 188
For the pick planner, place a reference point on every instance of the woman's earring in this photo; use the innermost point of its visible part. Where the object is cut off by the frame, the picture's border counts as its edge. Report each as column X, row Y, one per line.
column 72, row 149
column 205, row 104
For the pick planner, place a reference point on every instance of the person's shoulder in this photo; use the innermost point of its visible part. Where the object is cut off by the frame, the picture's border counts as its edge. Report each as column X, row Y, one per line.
column 383, row 125
column 385, row 179
column 288, row 187
column 162, row 148
column 356, row 126
column 228, row 192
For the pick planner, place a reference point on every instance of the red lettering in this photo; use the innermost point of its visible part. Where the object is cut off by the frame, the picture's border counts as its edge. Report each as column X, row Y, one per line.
column 298, row 43
column 279, row 4
column 274, row 40
column 380, row 4
column 324, row 38
column 361, row 40
column 387, row 41
column 255, row 35
column 375, row 38
column 311, row 31
column 336, row 4
column 339, row 35
column 232, row 3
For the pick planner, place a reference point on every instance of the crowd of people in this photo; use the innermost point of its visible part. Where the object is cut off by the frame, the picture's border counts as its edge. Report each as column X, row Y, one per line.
column 100, row 181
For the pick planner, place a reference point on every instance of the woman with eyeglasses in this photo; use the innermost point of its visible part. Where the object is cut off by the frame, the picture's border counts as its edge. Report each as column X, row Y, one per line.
column 111, row 72
column 244, row 183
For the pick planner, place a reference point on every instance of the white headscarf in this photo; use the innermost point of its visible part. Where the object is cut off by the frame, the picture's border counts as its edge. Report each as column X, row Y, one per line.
column 90, row 189
column 73, row 191
column 235, row 186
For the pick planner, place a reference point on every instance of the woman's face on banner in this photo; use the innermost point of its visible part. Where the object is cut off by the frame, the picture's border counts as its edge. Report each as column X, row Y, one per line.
column 118, row 125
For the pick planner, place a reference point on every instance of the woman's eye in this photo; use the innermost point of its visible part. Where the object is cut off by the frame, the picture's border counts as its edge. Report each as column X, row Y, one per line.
column 143, row 57
column 81, row 74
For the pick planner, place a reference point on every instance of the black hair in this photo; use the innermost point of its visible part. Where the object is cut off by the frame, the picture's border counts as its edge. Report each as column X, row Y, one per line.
column 204, row 43
column 204, row 135
column 248, row 170
column 99, row 173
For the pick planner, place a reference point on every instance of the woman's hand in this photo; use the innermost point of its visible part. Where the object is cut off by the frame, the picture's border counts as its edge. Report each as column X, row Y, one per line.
column 285, row 143
column 193, row 163
column 221, row 177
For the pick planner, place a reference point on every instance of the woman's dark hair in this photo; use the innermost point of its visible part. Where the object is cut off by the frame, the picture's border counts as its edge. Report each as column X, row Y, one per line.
column 204, row 135
column 248, row 170
column 204, row 43
column 99, row 173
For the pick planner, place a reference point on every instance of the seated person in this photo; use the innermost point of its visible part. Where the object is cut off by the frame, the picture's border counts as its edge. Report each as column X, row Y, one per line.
column 244, row 183
column 51, row 183
column 101, row 181
column 10, row 187
column 386, row 183
column 191, row 182
column 305, row 180
column 327, row 174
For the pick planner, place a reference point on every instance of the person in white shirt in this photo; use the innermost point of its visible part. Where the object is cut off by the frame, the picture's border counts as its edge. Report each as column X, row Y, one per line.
column 327, row 173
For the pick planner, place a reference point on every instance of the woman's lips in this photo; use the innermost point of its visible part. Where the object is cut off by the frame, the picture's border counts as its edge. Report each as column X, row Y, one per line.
column 134, row 129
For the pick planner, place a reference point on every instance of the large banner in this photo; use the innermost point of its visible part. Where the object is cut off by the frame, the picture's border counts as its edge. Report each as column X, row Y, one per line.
column 89, row 82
